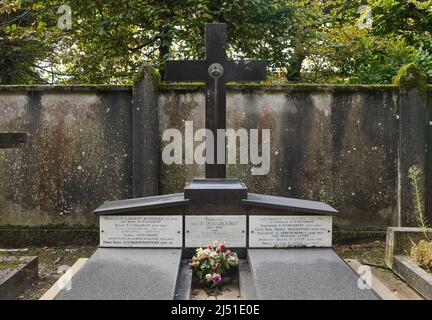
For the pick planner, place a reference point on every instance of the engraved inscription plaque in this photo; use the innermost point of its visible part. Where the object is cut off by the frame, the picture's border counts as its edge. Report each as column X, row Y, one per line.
column 141, row 231
column 290, row 231
column 201, row 230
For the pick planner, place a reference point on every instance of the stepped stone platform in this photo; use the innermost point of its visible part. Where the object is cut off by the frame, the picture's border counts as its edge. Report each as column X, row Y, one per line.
column 146, row 243
column 267, row 274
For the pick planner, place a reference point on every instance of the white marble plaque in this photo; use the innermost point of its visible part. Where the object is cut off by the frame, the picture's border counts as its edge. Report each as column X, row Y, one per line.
column 202, row 230
column 141, row 231
column 290, row 231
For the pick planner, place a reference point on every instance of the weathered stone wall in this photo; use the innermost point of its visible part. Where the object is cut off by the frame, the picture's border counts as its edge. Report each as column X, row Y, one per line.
column 337, row 144
column 78, row 154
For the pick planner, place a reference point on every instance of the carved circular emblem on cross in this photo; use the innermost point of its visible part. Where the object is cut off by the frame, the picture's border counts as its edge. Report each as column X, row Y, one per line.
column 216, row 70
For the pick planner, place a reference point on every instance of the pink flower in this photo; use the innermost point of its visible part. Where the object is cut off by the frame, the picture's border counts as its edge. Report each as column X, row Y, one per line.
column 209, row 246
column 216, row 266
column 222, row 245
column 204, row 257
column 216, row 278
column 228, row 253
column 218, row 249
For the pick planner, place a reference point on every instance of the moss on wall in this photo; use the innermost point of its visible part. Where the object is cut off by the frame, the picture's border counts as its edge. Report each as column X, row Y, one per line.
column 148, row 69
column 410, row 77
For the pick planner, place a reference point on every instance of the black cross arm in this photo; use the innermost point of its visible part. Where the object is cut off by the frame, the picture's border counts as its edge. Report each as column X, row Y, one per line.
column 185, row 71
column 245, row 70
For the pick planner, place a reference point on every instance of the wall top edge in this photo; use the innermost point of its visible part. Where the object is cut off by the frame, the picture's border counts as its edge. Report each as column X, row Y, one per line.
column 64, row 88
column 283, row 88
column 199, row 87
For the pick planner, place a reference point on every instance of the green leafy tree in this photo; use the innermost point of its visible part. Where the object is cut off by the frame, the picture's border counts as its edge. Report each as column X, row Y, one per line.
column 111, row 39
column 410, row 20
column 345, row 51
column 22, row 44
column 304, row 40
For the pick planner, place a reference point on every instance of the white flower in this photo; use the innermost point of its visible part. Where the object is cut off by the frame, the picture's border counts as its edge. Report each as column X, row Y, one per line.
column 208, row 277
column 199, row 252
column 214, row 255
column 232, row 260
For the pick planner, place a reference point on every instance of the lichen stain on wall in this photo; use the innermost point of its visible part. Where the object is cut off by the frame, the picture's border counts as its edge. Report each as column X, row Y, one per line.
column 333, row 146
column 66, row 167
column 364, row 156
column 174, row 110
column 322, row 102
column 250, row 110
column 13, row 111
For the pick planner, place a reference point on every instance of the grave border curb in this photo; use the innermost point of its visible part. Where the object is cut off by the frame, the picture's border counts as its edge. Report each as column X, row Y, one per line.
column 20, row 279
column 416, row 277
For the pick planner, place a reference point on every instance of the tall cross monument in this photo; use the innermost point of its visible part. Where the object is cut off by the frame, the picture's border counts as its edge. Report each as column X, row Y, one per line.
column 215, row 71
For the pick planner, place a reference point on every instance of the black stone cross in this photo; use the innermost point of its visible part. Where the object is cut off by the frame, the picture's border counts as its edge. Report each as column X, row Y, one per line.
column 215, row 71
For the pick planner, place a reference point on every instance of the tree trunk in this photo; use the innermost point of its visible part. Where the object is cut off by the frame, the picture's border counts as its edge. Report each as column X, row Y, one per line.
column 6, row 70
column 295, row 66
column 164, row 48
column 163, row 54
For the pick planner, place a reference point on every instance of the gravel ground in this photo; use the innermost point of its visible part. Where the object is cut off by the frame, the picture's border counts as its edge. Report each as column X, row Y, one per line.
column 372, row 254
column 50, row 260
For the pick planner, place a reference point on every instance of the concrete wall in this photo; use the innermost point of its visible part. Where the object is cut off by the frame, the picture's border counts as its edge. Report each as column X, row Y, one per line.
column 78, row 154
column 337, row 144
column 334, row 144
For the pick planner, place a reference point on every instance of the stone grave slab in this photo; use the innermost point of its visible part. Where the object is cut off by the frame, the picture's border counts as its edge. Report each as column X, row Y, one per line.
column 304, row 274
column 126, row 274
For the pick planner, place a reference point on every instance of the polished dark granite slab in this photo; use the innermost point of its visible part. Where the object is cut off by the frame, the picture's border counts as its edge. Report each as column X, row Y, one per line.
column 284, row 205
column 304, row 274
column 126, row 274
column 216, row 191
column 216, row 196
column 139, row 204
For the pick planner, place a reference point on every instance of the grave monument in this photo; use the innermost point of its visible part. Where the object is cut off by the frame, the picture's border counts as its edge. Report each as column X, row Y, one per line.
column 284, row 244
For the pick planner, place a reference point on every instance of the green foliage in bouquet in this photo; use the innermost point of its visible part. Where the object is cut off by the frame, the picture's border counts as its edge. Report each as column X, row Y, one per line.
column 213, row 262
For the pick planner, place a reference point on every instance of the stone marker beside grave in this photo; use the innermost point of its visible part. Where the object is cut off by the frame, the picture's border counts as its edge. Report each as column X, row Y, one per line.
column 13, row 282
column 12, row 139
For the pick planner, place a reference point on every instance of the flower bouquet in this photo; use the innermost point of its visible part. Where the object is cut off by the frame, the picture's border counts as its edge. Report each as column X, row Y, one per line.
column 213, row 263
